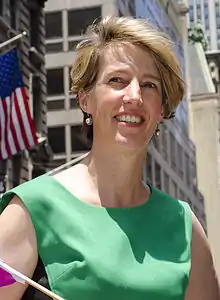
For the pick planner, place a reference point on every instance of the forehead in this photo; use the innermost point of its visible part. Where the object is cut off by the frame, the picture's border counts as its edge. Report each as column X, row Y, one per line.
column 127, row 57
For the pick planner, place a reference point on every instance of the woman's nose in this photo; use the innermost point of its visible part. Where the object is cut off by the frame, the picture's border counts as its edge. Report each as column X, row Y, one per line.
column 132, row 93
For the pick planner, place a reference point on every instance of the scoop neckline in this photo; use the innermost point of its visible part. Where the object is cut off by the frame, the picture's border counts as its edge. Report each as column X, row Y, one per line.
column 146, row 203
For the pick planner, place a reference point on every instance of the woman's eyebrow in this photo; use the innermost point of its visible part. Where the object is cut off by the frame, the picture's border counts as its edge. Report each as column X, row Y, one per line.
column 152, row 76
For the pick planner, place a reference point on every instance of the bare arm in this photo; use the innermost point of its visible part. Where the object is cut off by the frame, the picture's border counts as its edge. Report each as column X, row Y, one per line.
column 17, row 245
column 203, row 283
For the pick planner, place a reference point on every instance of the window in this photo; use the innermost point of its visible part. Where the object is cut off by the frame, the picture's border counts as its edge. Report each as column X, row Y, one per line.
column 201, row 199
column 157, row 176
column 8, row 12
column 37, row 102
column 53, row 25
column 80, row 19
column 189, row 202
column 218, row 22
column 174, row 189
column 206, row 10
column 132, row 7
column 173, row 151
column 77, row 139
column 73, row 44
column 34, row 26
column 217, row 9
column 191, row 13
column 56, row 163
column 56, row 137
column 207, row 23
column 156, row 142
column 55, row 105
column 149, row 168
column 55, row 84
column 182, row 195
column 53, row 48
column 120, row 14
column 196, row 211
column 164, row 134
column 13, row 9
column 198, row 8
column 166, row 183
column 73, row 103
column 187, row 170
column 180, row 159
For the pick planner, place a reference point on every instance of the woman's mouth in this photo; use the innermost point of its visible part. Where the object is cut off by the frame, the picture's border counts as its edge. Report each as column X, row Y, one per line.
column 130, row 119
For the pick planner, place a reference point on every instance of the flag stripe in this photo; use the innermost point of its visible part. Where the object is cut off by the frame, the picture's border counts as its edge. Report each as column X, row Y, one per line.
column 2, row 122
column 5, row 134
column 13, row 131
column 9, row 133
column 16, row 125
column 21, row 123
column 6, row 113
column 23, row 111
column 30, row 126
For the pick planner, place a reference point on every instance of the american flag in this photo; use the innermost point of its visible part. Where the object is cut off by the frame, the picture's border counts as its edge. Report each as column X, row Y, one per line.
column 17, row 130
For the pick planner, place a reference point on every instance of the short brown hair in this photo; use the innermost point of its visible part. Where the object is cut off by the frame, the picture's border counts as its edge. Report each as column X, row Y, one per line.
column 126, row 30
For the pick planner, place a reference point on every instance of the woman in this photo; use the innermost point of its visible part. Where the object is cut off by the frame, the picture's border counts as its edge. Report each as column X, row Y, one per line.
column 98, row 229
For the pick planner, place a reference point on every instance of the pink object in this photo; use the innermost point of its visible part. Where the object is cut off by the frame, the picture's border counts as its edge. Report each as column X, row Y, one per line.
column 6, row 278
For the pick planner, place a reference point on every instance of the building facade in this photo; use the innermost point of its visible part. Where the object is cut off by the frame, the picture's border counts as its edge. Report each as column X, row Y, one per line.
column 204, row 105
column 17, row 16
column 206, row 12
column 204, row 131
column 171, row 161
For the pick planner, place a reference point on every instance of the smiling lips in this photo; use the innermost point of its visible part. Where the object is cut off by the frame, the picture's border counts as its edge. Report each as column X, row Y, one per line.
column 131, row 119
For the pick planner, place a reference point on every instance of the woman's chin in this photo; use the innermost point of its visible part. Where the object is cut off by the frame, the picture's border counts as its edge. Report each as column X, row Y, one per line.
column 130, row 142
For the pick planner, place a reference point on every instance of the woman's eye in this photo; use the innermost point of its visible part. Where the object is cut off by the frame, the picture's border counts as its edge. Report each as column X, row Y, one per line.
column 149, row 85
column 116, row 80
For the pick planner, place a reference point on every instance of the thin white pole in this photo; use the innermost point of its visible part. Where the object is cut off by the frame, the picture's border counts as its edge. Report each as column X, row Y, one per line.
column 12, row 40
column 67, row 165
column 21, row 278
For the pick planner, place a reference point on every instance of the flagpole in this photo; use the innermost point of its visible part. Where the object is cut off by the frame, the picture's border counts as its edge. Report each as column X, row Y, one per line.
column 42, row 288
column 21, row 278
column 13, row 39
column 67, row 165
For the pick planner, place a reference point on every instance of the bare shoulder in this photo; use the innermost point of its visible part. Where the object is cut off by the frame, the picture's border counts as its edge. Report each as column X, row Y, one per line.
column 73, row 179
column 18, row 245
column 203, row 283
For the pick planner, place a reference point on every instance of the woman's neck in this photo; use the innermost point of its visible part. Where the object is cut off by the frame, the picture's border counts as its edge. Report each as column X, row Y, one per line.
column 117, row 178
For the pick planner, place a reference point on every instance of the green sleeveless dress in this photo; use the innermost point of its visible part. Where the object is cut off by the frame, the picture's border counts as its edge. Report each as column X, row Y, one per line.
column 97, row 253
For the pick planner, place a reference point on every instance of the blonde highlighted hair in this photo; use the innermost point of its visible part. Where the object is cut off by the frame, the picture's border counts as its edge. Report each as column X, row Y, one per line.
column 112, row 31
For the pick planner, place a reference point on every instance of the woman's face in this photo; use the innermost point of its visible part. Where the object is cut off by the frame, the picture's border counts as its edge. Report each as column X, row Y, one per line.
column 126, row 102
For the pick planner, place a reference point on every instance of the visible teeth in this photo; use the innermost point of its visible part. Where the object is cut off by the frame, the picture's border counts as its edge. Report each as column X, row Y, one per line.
column 133, row 119
column 129, row 119
column 123, row 118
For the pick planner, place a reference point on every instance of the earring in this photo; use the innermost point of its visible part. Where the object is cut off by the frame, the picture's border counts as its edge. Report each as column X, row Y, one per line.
column 88, row 120
column 157, row 131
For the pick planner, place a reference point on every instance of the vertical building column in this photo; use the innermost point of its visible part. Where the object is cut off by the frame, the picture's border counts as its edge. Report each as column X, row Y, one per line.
column 68, row 142
column 206, row 138
column 212, row 22
column 66, row 87
column 65, row 29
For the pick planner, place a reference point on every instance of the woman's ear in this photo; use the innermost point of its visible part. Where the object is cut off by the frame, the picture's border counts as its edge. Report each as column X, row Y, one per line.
column 161, row 114
column 82, row 98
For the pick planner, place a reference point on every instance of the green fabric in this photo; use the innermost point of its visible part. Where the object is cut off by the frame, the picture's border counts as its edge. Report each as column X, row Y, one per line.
column 94, row 253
